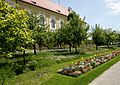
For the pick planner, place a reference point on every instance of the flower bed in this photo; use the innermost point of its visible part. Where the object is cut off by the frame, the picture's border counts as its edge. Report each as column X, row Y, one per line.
column 84, row 66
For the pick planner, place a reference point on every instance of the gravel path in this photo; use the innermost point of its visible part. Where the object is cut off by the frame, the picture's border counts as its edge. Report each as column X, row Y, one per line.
column 109, row 77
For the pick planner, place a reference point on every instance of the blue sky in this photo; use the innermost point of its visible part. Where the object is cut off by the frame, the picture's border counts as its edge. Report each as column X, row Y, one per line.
column 104, row 12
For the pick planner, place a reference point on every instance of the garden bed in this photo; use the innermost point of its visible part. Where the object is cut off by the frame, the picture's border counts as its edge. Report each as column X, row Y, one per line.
column 81, row 67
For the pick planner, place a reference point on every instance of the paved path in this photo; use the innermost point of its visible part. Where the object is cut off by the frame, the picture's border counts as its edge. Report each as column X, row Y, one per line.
column 109, row 77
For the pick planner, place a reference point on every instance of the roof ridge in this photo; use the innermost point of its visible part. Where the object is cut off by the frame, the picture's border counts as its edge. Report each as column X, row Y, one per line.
column 49, row 5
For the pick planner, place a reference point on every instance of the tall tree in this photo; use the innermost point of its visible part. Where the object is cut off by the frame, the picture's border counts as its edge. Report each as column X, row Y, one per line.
column 78, row 28
column 38, row 27
column 14, row 32
column 74, row 31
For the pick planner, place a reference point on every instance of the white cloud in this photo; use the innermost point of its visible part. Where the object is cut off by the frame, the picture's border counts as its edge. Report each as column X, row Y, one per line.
column 113, row 5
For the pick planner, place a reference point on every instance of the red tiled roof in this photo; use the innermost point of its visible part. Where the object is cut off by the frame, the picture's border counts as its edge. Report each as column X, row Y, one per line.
column 49, row 5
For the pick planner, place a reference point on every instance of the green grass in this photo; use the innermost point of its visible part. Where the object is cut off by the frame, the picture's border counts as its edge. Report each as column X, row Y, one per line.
column 45, row 61
column 31, row 78
column 84, row 79
column 46, row 69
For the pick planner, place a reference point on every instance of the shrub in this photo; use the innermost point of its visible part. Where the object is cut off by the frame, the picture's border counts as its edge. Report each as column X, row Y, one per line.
column 32, row 65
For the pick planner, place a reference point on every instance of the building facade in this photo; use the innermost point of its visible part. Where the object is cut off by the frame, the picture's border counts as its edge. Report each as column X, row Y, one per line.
column 53, row 15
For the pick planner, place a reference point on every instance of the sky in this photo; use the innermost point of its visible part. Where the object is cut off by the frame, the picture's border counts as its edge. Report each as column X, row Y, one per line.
column 103, row 12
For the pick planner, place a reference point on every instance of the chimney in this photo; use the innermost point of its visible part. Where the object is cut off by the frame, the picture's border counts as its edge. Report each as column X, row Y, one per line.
column 33, row 2
column 69, row 9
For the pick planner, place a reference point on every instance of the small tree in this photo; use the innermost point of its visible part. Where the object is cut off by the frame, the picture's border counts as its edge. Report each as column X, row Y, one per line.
column 64, row 35
column 49, row 40
column 98, row 36
column 118, row 40
column 111, row 36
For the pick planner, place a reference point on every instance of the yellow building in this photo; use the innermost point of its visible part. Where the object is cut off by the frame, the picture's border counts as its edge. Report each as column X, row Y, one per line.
column 53, row 15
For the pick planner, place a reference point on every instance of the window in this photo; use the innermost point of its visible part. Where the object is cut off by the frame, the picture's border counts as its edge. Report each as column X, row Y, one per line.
column 42, row 20
column 52, row 23
column 61, row 24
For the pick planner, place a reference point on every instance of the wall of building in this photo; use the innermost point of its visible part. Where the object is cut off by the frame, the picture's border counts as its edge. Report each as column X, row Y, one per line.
column 46, row 13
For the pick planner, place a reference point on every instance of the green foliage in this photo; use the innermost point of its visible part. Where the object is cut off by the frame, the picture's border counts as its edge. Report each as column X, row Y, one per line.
column 32, row 65
column 98, row 35
column 38, row 28
column 50, row 40
column 41, row 67
column 118, row 36
column 74, row 31
column 5, row 73
column 111, row 36
column 14, row 33
column 104, row 37
column 78, row 29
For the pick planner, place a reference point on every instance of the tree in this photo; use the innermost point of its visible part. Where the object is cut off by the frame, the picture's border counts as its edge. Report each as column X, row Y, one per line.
column 60, row 36
column 98, row 36
column 38, row 28
column 49, row 39
column 14, row 32
column 118, row 40
column 111, row 36
column 74, row 31
column 64, row 35
column 40, row 38
column 118, row 36
column 41, row 32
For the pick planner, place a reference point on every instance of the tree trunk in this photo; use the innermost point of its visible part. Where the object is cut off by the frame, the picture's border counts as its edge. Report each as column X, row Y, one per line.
column 34, row 47
column 108, row 45
column 60, row 46
column 24, row 57
column 75, row 49
column 70, row 47
column 96, row 47
column 3, row 82
column 40, row 46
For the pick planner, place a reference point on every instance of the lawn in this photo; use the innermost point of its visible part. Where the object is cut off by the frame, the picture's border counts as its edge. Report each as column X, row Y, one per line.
column 40, row 65
column 42, row 74
column 84, row 79
column 46, row 65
